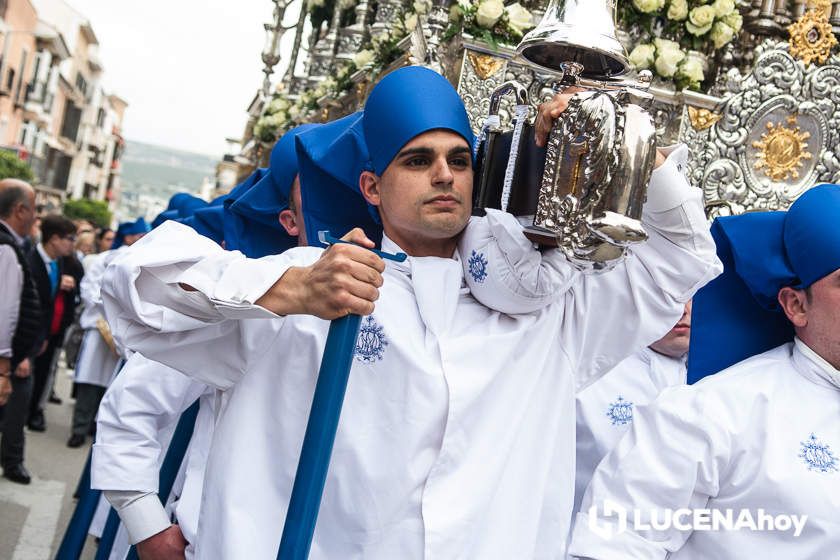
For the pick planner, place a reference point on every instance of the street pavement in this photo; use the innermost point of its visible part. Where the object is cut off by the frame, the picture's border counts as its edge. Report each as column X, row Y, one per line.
column 34, row 517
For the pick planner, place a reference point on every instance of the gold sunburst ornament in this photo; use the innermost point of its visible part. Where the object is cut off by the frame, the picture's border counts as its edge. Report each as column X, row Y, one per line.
column 485, row 65
column 701, row 119
column 782, row 150
column 811, row 37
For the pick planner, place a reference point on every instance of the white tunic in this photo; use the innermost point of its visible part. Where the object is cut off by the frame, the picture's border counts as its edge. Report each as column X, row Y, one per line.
column 764, row 433
column 134, row 425
column 456, row 439
column 96, row 362
column 605, row 409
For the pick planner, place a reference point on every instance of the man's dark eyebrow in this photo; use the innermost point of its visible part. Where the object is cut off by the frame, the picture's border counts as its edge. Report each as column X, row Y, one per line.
column 459, row 150
column 416, row 152
column 425, row 151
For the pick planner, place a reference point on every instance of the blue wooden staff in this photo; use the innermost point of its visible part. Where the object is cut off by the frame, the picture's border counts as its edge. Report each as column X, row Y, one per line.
column 77, row 530
column 320, row 430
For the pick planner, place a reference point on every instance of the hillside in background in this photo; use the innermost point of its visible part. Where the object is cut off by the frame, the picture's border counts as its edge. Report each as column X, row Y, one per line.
column 152, row 174
column 157, row 167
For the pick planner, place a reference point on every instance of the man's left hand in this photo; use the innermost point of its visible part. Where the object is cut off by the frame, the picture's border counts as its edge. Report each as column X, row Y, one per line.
column 24, row 369
column 68, row 283
column 551, row 110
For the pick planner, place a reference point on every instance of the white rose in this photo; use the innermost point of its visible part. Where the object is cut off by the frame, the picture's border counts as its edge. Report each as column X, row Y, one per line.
column 278, row 104
column 668, row 57
column 721, row 34
column 723, row 7
column 695, row 30
column 363, row 58
column 648, row 6
column 691, row 69
column 489, row 12
column 411, row 22
column 294, row 112
column 519, row 18
column 678, row 10
column 702, row 16
column 734, row 20
column 422, row 6
column 643, row 56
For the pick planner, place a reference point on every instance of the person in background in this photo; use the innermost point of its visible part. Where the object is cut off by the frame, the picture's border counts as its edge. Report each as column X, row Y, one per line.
column 20, row 323
column 104, row 239
column 56, row 274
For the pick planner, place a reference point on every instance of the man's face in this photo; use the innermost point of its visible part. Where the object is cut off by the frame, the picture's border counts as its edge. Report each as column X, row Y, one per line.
column 107, row 241
column 132, row 239
column 292, row 218
column 64, row 245
column 27, row 214
column 675, row 343
column 426, row 191
column 821, row 328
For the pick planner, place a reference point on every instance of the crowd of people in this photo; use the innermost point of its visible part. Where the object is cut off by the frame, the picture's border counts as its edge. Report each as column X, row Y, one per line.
column 43, row 258
column 501, row 403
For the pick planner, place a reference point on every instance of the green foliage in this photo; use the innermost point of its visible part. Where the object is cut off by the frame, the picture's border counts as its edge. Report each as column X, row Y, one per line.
column 94, row 211
column 12, row 167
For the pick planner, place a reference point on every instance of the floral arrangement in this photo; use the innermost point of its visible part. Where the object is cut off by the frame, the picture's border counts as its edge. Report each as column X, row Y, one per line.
column 376, row 54
column 490, row 21
column 675, row 27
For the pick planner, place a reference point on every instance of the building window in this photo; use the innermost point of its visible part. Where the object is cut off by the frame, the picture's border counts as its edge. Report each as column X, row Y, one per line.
column 100, row 118
column 72, row 118
column 81, row 84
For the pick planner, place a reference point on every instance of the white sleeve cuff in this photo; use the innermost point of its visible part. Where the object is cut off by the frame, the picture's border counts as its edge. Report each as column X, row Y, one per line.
column 668, row 187
column 142, row 513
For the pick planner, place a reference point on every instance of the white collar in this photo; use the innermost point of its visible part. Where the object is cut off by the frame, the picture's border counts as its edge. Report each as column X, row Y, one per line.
column 44, row 255
column 18, row 239
column 821, row 367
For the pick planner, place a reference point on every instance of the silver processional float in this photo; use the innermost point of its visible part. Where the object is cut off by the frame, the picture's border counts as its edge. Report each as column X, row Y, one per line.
column 583, row 193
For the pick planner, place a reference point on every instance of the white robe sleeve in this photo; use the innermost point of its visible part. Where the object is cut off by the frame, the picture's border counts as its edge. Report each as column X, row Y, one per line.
column 208, row 332
column 145, row 398
column 609, row 316
column 672, row 458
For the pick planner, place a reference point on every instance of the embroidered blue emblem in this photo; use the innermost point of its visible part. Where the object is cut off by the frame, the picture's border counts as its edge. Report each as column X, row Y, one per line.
column 818, row 456
column 370, row 346
column 620, row 412
column 478, row 266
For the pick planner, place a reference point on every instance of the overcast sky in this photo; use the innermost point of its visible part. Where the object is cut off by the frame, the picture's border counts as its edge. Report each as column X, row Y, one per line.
column 188, row 68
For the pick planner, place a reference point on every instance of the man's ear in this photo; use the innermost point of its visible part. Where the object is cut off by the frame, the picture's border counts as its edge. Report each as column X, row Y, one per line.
column 793, row 303
column 287, row 220
column 369, row 186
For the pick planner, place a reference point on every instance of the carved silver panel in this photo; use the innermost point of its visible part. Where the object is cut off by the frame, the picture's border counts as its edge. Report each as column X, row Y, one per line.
column 777, row 136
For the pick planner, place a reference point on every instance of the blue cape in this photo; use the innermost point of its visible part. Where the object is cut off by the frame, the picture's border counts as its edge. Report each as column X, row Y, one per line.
column 331, row 158
column 737, row 314
column 129, row 228
column 254, row 215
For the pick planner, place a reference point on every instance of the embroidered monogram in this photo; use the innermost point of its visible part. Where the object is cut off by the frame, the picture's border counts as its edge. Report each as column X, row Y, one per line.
column 371, row 344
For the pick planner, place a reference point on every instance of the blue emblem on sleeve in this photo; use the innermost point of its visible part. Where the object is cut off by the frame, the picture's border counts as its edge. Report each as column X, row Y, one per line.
column 817, row 455
column 478, row 266
column 620, row 412
column 370, row 346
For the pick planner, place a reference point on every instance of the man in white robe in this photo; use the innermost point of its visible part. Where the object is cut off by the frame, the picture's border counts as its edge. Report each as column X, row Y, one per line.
column 605, row 409
column 143, row 404
column 759, row 441
column 456, row 438
column 97, row 360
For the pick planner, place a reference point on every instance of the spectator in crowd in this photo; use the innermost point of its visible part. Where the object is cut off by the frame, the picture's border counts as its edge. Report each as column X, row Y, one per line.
column 104, row 240
column 57, row 275
column 20, row 320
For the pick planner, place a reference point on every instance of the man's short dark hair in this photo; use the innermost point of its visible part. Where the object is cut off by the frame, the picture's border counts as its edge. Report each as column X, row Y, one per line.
column 10, row 197
column 55, row 224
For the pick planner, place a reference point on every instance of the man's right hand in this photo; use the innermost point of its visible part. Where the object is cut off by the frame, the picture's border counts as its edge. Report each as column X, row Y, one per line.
column 5, row 389
column 169, row 544
column 345, row 280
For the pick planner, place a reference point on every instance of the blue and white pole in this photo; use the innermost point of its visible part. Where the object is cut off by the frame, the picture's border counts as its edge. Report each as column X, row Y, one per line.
column 321, row 429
